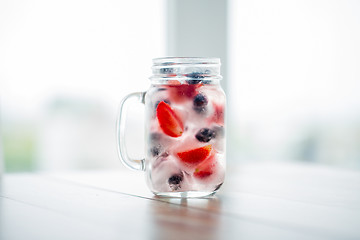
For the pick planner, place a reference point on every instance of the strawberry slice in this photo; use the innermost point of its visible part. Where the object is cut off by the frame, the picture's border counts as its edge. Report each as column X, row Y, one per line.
column 218, row 116
column 205, row 168
column 195, row 156
column 173, row 82
column 182, row 92
column 169, row 122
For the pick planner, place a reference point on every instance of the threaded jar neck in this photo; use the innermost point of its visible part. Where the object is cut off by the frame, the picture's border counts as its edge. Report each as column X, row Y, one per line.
column 186, row 69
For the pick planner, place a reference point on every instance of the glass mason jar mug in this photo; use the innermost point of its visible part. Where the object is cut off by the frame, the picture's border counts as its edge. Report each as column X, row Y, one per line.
column 184, row 128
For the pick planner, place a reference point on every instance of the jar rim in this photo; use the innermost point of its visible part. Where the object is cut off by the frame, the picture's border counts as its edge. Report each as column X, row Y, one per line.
column 185, row 60
column 186, row 68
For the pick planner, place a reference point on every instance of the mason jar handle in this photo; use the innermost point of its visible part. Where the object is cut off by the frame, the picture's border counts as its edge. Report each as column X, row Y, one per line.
column 135, row 164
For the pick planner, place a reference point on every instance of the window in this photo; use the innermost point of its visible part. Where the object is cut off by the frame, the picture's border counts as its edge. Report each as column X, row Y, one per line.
column 65, row 66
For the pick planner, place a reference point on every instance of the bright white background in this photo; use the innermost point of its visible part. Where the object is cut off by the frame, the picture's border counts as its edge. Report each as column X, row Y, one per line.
column 295, row 80
column 65, row 66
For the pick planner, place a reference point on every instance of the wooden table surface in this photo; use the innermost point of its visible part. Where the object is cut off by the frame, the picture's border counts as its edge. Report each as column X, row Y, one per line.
column 258, row 201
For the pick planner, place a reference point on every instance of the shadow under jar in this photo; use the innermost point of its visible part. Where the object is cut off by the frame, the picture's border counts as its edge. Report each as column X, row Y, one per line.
column 184, row 128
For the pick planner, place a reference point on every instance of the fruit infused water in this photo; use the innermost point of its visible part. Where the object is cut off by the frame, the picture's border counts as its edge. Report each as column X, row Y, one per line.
column 185, row 131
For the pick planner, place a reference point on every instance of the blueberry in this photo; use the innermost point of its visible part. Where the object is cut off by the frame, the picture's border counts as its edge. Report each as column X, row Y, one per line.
column 166, row 70
column 175, row 180
column 155, row 151
column 156, row 148
column 199, row 103
column 155, row 136
column 195, row 75
column 205, row 135
column 193, row 81
column 200, row 100
column 206, row 81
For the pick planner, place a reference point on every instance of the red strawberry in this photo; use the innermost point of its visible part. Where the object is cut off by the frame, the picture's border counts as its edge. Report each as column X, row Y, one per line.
column 181, row 92
column 195, row 156
column 169, row 122
column 205, row 168
column 173, row 82
column 218, row 116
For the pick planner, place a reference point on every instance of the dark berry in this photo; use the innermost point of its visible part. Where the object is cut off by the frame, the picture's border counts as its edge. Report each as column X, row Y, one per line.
column 193, row 81
column 199, row 103
column 206, row 81
column 166, row 70
column 205, row 135
column 155, row 151
column 196, row 75
column 200, row 100
column 198, row 81
column 175, row 180
column 155, row 136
